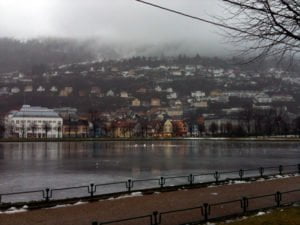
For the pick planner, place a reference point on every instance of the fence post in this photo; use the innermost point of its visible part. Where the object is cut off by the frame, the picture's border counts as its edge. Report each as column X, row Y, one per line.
column 155, row 218
column 241, row 174
column 0, row 199
column 129, row 185
column 261, row 171
column 205, row 211
column 278, row 198
column 280, row 168
column 298, row 168
column 191, row 179
column 92, row 191
column 47, row 198
column 244, row 204
column 217, row 176
column 162, row 182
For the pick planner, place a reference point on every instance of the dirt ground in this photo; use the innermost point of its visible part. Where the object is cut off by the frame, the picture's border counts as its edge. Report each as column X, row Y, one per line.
column 106, row 210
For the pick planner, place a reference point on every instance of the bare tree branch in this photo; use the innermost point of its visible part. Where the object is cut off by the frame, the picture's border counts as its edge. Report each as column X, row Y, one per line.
column 266, row 28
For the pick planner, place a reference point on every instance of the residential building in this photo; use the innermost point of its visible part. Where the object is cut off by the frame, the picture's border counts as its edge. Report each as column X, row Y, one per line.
column 110, row 93
column 136, row 102
column 124, row 94
column 168, row 128
column 15, row 90
column 200, row 104
column 53, row 89
column 28, row 89
column 75, row 128
column 40, row 89
column 155, row 102
column 198, row 94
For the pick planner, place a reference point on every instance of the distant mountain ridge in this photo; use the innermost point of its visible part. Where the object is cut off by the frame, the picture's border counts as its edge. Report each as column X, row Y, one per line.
column 26, row 56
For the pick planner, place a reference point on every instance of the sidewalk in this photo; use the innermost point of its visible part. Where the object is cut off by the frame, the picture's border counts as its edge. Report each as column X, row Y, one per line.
column 121, row 208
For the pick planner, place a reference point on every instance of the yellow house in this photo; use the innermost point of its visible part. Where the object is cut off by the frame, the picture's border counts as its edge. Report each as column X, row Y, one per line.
column 168, row 129
column 155, row 102
column 215, row 93
column 136, row 103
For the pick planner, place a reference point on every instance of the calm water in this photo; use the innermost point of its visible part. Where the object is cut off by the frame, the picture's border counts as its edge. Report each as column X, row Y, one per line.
column 39, row 165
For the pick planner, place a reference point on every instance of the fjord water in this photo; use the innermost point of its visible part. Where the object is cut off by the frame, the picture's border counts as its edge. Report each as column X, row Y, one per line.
column 31, row 166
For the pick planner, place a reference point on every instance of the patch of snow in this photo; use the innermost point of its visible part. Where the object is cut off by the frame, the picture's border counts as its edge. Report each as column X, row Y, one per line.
column 260, row 214
column 134, row 194
column 261, row 179
column 214, row 193
column 13, row 210
column 60, row 206
column 80, row 203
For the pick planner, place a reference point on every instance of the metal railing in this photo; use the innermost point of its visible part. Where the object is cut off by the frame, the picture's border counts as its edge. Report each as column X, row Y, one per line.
column 207, row 212
column 91, row 190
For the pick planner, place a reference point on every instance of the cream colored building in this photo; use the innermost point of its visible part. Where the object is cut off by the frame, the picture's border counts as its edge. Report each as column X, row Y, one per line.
column 34, row 122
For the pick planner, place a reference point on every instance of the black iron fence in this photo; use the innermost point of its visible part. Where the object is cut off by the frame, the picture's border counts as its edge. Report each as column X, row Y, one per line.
column 130, row 185
column 207, row 212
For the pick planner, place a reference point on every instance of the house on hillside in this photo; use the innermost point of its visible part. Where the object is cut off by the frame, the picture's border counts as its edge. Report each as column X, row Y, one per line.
column 136, row 102
column 155, row 102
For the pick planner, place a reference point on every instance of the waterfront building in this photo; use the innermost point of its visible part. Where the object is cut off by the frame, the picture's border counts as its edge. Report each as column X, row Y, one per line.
column 34, row 122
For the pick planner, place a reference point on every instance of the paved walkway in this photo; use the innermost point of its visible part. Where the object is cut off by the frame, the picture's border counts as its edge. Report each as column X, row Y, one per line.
column 142, row 205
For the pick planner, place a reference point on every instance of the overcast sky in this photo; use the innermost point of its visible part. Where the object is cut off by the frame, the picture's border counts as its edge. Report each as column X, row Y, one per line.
column 117, row 21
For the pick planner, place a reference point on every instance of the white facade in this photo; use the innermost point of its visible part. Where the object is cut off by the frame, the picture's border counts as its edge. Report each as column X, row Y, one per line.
column 35, row 122
column 198, row 94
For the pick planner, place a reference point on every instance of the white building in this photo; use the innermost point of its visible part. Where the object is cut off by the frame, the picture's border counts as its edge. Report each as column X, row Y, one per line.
column 40, row 89
column 35, row 122
column 172, row 95
column 198, row 94
column 262, row 98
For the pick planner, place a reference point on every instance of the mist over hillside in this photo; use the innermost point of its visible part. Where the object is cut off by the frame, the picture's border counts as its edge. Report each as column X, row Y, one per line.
column 26, row 55
column 22, row 55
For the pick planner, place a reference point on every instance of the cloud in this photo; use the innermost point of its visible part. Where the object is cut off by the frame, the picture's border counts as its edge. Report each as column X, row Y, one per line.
column 112, row 21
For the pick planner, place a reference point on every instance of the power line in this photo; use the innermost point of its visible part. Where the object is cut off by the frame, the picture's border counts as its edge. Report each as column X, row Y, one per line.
column 189, row 16
column 240, row 31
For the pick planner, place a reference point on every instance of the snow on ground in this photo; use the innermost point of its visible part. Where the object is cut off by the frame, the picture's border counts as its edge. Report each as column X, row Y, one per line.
column 260, row 214
column 80, row 203
column 13, row 210
column 230, row 182
column 60, row 206
column 67, row 205
column 134, row 194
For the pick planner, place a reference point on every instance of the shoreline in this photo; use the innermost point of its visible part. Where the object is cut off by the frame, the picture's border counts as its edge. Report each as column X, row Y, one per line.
column 229, row 139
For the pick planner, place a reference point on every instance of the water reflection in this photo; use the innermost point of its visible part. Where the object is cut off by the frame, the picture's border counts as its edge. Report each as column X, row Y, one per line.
column 31, row 165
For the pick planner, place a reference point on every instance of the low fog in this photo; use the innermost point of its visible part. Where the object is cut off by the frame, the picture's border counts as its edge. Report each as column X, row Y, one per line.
column 127, row 26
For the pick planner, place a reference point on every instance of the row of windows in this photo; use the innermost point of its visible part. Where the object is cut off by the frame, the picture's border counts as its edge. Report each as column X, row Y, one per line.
column 37, row 121
column 39, row 129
